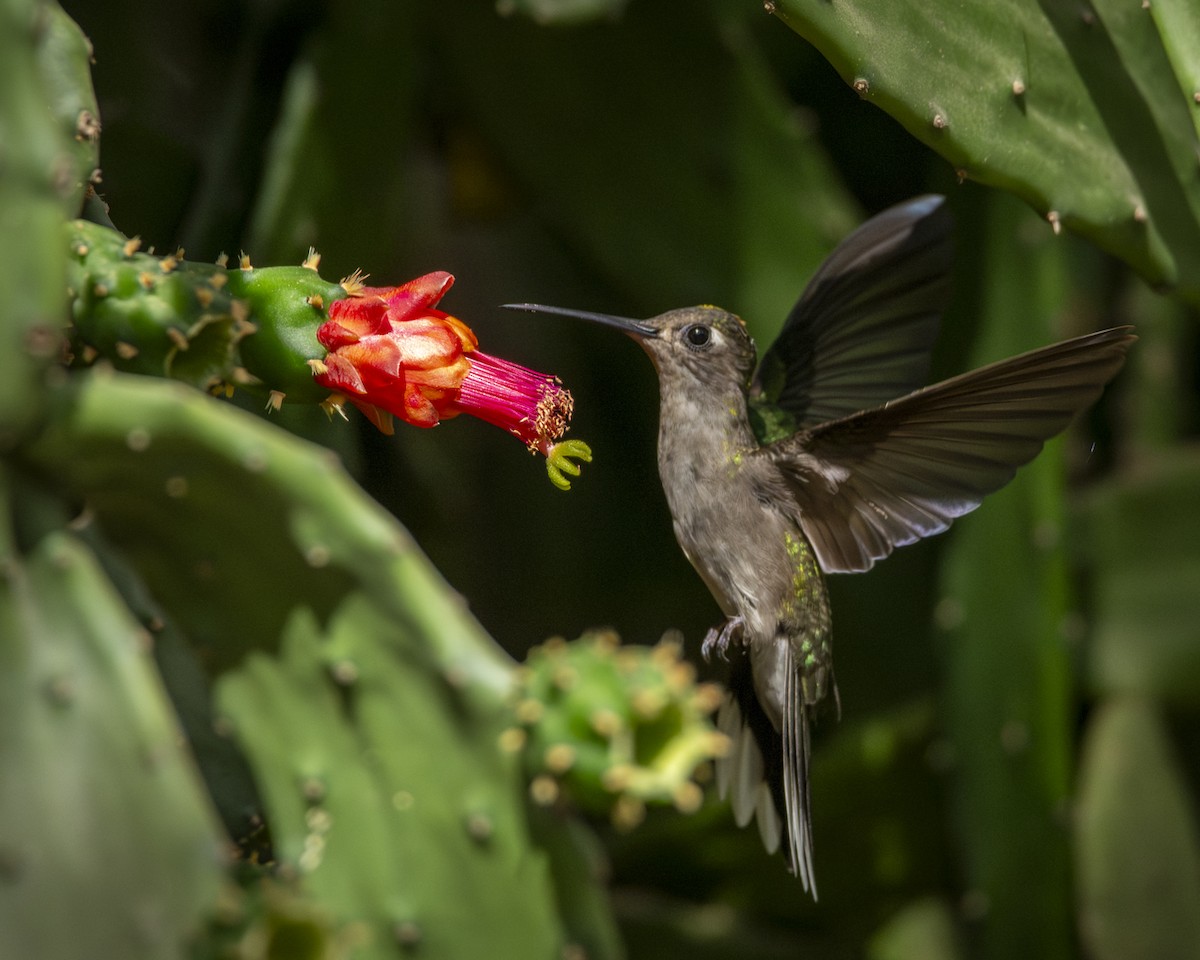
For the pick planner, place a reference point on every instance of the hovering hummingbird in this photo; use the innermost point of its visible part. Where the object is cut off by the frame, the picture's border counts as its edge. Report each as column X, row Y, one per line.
column 825, row 460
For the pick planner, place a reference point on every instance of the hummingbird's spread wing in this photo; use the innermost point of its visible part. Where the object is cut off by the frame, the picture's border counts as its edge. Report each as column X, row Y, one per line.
column 862, row 331
column 876, row 480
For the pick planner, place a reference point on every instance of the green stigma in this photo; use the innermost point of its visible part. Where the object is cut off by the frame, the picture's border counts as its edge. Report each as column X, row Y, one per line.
column 559, row 462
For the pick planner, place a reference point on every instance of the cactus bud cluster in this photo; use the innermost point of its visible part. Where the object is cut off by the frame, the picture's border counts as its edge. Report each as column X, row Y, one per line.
column 613, row 728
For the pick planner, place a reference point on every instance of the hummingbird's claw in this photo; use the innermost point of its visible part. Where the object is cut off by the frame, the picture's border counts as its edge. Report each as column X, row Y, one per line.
column 719, row 640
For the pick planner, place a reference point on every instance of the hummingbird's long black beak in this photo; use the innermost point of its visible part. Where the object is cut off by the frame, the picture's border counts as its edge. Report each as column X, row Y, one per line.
column 638, row 329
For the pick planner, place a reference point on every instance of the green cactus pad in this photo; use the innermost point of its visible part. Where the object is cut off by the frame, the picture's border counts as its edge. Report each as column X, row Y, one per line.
column 64, row 60
column 1087, row 111
column 47, row 154
column 107, row 845
column 367, row 702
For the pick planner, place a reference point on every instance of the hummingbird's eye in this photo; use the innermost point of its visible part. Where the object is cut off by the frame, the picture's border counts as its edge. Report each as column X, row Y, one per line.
column 698, row 335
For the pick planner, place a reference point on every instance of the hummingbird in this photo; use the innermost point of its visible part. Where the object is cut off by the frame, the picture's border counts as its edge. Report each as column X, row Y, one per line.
column 824, row 459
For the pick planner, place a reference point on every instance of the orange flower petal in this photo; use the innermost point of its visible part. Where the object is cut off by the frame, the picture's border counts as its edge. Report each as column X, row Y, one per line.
column 416, row 297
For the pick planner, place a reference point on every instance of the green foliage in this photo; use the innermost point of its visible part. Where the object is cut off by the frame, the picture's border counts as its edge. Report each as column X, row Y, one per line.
column 1147, row 637
column 1138, row 869
column 1087, row 111
column 1009, row 686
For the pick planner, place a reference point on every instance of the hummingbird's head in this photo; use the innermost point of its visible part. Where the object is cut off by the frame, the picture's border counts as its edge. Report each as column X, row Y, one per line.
column 706, row 345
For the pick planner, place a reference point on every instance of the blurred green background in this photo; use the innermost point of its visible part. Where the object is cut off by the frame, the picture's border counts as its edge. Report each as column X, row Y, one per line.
column 1016, row 768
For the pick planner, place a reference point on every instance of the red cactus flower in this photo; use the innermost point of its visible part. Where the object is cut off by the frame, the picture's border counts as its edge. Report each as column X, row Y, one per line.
column 391, row 353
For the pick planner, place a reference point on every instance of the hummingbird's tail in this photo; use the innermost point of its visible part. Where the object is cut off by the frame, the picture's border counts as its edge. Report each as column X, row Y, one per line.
column 765, row 774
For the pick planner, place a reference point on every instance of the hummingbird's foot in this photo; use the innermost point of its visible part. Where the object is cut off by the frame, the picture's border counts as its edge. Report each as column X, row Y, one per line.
column 719, row 640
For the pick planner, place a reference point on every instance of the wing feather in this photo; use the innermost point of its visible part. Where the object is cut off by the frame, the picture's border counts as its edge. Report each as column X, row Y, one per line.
column 862, row 331
column 884, row 477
